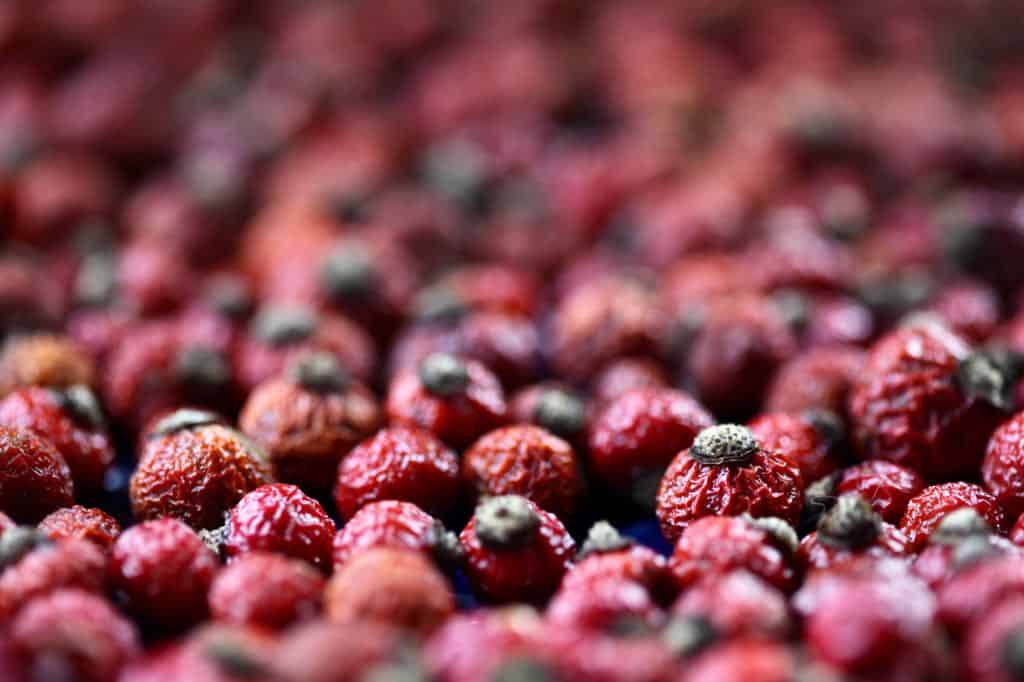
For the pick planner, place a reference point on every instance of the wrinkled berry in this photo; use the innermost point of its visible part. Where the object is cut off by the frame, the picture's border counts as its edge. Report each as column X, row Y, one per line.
column 811, row 439
column 396, row 524
column 887, row 487
column 34, row 477
column 266, row 590
column 850, row 528
column 926, row 510
column 85, row 523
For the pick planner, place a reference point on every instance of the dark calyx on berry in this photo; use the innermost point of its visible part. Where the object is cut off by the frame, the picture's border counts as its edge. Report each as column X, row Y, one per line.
column 230, row 298
column 184, row 419
column 202, row 368
column 683, row 331
column 214, row 538
column 439, row 304
column 779, row 532
column 793, row 307
column 444, row 375
column 445, row 544
column 827, row 424
column 688, row 636
column 850, row 524
column 958, row 525
column 348, row 273
column 81, row 404
column 19, row 541
column 319, row 373
column 348, row 207
column 603, row 538
column 724, row 445
column 284, row 325
column 523, row 670
column 506, row 522
column 561, row 413
column 234, row 659
column 991, row 375
column 895, row 294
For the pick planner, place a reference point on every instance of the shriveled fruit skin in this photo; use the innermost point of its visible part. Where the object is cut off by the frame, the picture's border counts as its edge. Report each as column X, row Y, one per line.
column 737, row 603
column 604, row 607
column 280, row 518
column 91, row 524
column 1004, row 459
column 815, row 554
column 390, row 523
column 34, row 478
column 925, row 510
column 266, row 590
column 796, row 436
column 63, row 564
column 886, row 486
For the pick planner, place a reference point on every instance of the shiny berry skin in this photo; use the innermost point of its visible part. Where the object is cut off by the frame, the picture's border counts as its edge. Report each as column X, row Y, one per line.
column 992, row 648
column 164, row 570
column 1001, row 467
column 77, row 632
column 47, row 567
column 610, row 606
column 44, row 360
column 744, row 659
column 727, row 472
column 719, row 544
column 195, row 471
column 811, row 439
column 474, row 645
column 266, row 590
column 736, row 604
column 607, row 555
column 850, row 528
column 639, row 432
column 356, row 649
column 515, row 551
column 34, row 478
column 886, row 486
column 926, row 402
column 280, row 518
column 72, row 421
column 457, row 400
column 390, row 586
column 624, row 375
column 969, row 597
column 819, row 378
column 84, row 523
column 309, row 419
column 523, row 460
column 398, row 463
column 926, row 510
column 395, row 524
column 961, row 539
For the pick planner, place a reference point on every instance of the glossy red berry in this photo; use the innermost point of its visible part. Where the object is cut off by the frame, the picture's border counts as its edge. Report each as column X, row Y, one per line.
column 34, row 477
column 390, row 586
column 395, row 524
column 33, row 566
column 280, row 518
column 611, row 606
column 457, row 400
column 850, row 528
column 736, row 604
column 527, row 461
column 72, row 421
column 84, row 523
column 727, row 472
column 515, row 551
column 1001, row 467
column 310, row 419
column 195, row 469
column 887, row 487
column 819, row 378
column 164, row 570
column 608, row 555
column 398, row 463
column 266, row 590
column 926, row 510
column 812, row 439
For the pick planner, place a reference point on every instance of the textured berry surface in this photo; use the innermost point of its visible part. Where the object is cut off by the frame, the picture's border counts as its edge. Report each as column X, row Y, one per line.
column 85, row 523
column 926, row 510
column 266, row 590
column 280, row 518
column 34, row 477
column 390, row 523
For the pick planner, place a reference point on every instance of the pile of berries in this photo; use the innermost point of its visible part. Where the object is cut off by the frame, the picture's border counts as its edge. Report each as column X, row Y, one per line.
column 526, row 340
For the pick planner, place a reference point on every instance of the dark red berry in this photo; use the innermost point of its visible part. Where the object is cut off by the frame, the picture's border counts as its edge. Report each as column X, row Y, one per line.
column 476, row 645
column 887, row 487
column 34, row 477
column 33, row 566
column 1002, row 464
column 395, row 524
column 819, row 378
column 745, row 659
column 624, row 375
column 357, row 649
column 812, row 439
column 850, row 528
column 969, row 308
column 926, row 510
column 971, row 595
column 554, row 408
column 615, row 607
column 962, row 538
column 44, row 360
column 736, row 604
column 266, row 590
column 608, row 555
column 992, row 649
column 84, row 523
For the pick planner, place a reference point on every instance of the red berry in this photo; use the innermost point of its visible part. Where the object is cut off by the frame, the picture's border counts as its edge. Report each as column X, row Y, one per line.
column 969, row 596
column 515, row 551
column 851, row 528
column 310, row 419
column 44, row 360
column 357, row 649
column 164, row 571
column 457, row 400
column 727, row 472
column 85, row 523
column 34, row 478
column 266, row 590
column 554, row 408
column 638, row 433
column 576, row 654
column 280, row 518
column 744, row 659
column 610, row 606
column 33, row 566
column 1001, row 467
column 527, row 461
column 819, row 378
column 811, row 439
column 992, row 648
column 1016, row 533
column 195, row 469
column 475, row 645
column 213, row 653
column 926, row 510
column 508, row 344
column 395, row 524
column 887, row 487
column 624, row 375
column 72, row 421
column 736, row 604
column 607, row 555
column 960, row 539
column 73, row 633
column 926, row 402
column 398, row 463
column 969, row 308
column 390, row 586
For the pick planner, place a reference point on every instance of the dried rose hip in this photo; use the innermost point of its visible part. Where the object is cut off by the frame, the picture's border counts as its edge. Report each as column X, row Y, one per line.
column 812, row 439
column 607, row 555
column 819, row 378
column 476, row 645
column 927, row 402
column 398, row 463
column 726, row 471
column 527, row 461
column 973, row 592
column 515, row 551
column 962, row 537
column 745, row 659
column 71, row 420
column 195, row 469
column 395, row 524
column 31, row 565
column 310, row 419
column 553, row 408
column 392, row 586
column 34, row 478
column 850, row 528
column 357, row 649
column 926, row 510
column 1001, row 467
column 506, row 343
column 44, row 360
column 887, row 487
column 636, row 435
column 457, row 400
column 613, row 606
column 736, row 604
column 719, row 544
column 164, row 570
column 266, row 590
column 280, row 518
column 84, row 523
